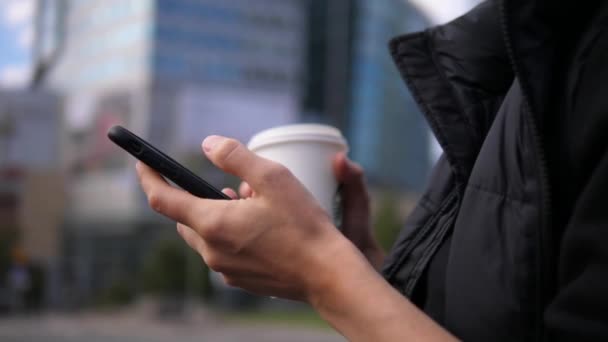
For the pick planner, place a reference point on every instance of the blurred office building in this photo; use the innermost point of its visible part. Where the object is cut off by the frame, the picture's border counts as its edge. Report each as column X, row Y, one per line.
column 32, row 192
column 173, row 71
column 193, row 67
column 352, row 82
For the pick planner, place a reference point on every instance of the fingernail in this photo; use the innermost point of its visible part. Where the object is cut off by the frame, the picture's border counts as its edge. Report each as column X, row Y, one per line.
column 179, row 229
column 210, row 142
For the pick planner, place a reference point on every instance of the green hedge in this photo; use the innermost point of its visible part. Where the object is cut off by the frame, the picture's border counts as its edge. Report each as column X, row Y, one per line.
column 173, row 269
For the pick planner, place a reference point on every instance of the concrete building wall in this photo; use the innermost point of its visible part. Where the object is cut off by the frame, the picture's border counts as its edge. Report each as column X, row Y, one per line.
column 41, row 213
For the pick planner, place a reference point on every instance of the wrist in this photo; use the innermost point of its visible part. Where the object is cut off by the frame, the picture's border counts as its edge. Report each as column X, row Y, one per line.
column 341, row 266
column 351, row 296
column 371, row 249
column 374, row 253
column 362, row 306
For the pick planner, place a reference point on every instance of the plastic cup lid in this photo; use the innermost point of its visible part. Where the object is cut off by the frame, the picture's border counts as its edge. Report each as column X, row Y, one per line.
column 297, row 132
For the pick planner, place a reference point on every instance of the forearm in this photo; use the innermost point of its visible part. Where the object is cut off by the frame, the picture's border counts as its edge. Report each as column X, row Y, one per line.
column 374, row 254
column 361, row 305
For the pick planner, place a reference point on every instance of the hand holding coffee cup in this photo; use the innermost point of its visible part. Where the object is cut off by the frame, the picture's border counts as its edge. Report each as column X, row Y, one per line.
column 307, row 150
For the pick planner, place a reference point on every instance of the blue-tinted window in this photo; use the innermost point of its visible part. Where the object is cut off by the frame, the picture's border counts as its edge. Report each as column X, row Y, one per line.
column 199, row 11
column 173, row 35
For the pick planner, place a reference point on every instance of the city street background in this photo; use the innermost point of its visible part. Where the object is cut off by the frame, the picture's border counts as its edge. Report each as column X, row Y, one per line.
column 124, row 326
column 82, row 257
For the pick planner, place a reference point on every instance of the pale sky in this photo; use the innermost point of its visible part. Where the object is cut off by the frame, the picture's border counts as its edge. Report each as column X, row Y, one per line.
column 441, row 11
column 16, row 35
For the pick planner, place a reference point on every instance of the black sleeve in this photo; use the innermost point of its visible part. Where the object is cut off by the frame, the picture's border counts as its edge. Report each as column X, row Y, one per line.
column 579, row 311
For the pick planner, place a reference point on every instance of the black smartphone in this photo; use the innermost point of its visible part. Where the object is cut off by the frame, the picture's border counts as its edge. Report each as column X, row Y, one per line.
column 163, row 164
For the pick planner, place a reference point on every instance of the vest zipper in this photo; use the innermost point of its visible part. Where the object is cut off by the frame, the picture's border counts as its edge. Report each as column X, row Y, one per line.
column 544, row 254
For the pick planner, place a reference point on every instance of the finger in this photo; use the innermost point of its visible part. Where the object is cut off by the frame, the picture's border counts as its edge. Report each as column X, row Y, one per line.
column 245, row 190
column 216, row 258
column 230, row 193
column 233, row 157
column 213, row 220
column 347, row 171
column 339, row 167
column 192, row 238
column 355, row 197
column 165, row 199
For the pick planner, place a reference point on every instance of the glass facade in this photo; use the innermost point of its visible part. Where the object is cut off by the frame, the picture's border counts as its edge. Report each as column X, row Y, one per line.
column 329, row 59
column 351, row 82
column 235, row 42
column 161, row 47
column 387, row 132
column 105, row 42
column 229, row 42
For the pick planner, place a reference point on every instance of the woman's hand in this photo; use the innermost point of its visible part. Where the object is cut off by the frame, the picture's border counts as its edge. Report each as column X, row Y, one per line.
column 279, row 242
column 356, row 211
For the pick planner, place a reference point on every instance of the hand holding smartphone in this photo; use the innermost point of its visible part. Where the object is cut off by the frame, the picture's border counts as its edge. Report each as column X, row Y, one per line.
column 163, row 164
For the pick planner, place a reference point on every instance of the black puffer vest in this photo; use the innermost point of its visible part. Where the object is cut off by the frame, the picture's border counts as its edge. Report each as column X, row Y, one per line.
column 509, row 241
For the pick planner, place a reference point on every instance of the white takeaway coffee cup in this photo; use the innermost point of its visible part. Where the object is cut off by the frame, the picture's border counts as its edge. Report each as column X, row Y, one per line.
column 307, row 150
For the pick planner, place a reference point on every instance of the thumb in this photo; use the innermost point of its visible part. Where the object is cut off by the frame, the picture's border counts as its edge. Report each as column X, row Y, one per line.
column 233, row 157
